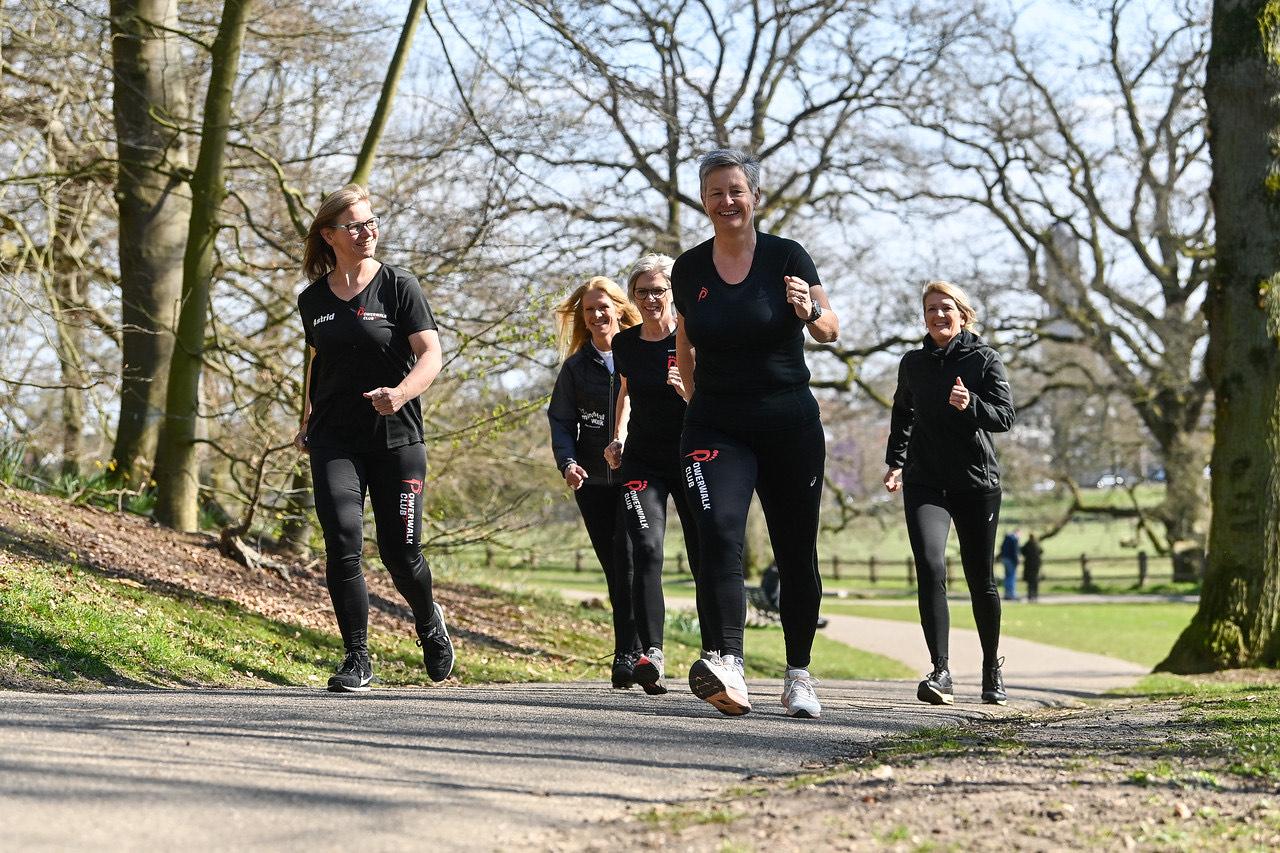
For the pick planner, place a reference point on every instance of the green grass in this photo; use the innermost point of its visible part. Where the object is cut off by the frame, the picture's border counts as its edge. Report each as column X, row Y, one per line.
column 1142, row 633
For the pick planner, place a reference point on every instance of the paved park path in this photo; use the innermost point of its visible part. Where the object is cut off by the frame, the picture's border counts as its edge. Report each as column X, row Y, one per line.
column 453, row 768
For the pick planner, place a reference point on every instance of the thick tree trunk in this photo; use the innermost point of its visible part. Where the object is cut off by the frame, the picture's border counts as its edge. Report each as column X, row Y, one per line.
column 177, row 465
column 155, row 207
column 1236, row 624
column 1183, row 510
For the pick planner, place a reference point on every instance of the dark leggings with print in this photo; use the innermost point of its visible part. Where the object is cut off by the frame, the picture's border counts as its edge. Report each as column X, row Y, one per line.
column 393, row 481
column 601, row 508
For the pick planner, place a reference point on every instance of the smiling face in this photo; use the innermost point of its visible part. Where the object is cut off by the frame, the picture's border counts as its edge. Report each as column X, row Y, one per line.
column 350, row 248
column 943, row 319
column 601, row 317
column 728, row 199
column 651, row 293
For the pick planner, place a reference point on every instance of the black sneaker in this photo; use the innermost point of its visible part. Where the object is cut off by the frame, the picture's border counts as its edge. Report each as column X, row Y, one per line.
column 624, row 669
column 936, row 688
column 354, row 675
column 437, row 648
column 993, row 684
column 649, row 672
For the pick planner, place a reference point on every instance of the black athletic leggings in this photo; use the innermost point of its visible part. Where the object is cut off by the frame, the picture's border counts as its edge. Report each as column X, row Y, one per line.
column 784, row 467
column 601, row 508
column 393, row 480
column 644, row 502
column 930, row 513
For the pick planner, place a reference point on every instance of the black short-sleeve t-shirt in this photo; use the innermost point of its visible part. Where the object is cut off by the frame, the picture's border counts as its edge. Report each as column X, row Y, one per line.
column 361, row 344
column 657, row 411
column 749, row 343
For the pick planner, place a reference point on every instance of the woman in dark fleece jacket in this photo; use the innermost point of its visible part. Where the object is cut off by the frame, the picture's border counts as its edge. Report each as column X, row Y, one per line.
column 952, row 394
column 581, row 414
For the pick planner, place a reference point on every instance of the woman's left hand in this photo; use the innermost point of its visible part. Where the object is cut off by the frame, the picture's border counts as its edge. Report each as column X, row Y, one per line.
column 386, row 401
column 798, row 295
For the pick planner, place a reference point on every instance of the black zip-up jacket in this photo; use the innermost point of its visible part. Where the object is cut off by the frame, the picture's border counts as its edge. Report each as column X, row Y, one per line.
column 929, row 439
column 581, row 413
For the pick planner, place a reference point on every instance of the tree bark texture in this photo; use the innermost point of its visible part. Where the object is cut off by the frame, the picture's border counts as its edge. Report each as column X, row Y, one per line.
column 154, row 208
column 177, row 468
column 381, row 113
column 1236, row 624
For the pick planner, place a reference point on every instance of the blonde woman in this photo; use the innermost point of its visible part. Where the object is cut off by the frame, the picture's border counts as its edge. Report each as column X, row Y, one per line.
column 374, row 351
column 581, row 415
column 952, row 395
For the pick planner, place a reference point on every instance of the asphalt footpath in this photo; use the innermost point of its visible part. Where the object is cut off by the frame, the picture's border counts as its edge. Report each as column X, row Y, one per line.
column 448, row 768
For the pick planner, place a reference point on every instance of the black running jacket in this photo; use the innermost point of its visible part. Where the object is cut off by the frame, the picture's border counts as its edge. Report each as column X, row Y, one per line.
column 581, row 414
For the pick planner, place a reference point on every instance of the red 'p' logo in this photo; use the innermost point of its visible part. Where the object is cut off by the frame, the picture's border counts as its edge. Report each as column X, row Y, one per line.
column 702, row 455
column 702, row 294
column 636, row 485
column 415, row 486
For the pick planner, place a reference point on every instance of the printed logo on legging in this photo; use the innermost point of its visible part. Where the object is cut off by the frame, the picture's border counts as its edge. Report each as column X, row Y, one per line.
column 697, row 483
column 409, row 508
column 636, row 485
column 702, row 455
column 631, row 503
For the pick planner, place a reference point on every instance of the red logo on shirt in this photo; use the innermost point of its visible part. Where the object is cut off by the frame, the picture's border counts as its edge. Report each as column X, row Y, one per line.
column 702, row 294
column 702, row 455
column 671, row 362
column 636, row 485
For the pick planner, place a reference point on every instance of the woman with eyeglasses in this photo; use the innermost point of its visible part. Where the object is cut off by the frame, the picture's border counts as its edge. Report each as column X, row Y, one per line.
column 581, row 418
column 746, row 299
column 374, row 350
column 646, row 449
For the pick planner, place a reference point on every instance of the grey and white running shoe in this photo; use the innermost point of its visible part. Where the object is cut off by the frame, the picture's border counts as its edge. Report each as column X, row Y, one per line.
column 719, row 679
column 649, row 672
column 798, row 696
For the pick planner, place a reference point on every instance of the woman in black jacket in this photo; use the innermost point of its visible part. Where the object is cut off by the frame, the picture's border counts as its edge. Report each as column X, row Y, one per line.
column 581, row 414
column 952, row 394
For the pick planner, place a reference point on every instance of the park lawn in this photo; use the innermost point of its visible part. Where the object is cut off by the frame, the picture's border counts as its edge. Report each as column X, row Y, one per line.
column 1142, row 633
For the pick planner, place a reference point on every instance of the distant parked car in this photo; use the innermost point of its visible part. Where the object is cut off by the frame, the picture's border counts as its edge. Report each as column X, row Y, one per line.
column 1109, row 481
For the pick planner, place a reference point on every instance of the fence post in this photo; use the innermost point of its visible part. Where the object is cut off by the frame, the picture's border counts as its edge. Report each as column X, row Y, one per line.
column 1086, row 577
column 679, row 562
column 1142, row 568
column 488, row 555
column 577, row 560
column 835, row 566
column 911, row 572
column 533, row 560
column 948, row 574
column 871, row 567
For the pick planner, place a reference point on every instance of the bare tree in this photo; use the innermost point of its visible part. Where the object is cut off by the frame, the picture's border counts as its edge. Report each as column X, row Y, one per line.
column 1113, row 153
column 1238, row 622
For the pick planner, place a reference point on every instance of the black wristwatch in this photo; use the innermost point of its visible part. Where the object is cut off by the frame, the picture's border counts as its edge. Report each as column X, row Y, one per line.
column 815, row 314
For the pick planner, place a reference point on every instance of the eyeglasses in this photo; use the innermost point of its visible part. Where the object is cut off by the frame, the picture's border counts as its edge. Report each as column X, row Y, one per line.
column 652, row 293
column 354, row 228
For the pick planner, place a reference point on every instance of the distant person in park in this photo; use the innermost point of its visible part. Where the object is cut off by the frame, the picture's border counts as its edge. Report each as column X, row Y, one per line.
column 646, row 451
column 581, row 414
column 1031, row 556
column 952, row 394
column 1009, row 559
column 745, row 299
column 374, row 350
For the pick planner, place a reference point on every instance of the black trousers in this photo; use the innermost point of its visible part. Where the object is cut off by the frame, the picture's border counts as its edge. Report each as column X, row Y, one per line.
column 644, row 502
column 601, row 509
column 976, row 515
column 393, row 481
column 784, row 467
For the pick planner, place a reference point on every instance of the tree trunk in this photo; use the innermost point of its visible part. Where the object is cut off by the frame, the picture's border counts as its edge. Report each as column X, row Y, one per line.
column 177, row 468
column 378, row 123
column 1236, row 624
column 154, row 208
column 1183, row 510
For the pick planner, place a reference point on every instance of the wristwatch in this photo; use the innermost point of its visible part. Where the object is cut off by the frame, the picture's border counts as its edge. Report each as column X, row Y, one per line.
column 815, row 314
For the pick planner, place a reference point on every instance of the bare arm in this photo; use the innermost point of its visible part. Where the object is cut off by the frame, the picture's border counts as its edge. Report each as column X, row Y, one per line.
column 622, row 414
column 300, row 437
column 685, row 358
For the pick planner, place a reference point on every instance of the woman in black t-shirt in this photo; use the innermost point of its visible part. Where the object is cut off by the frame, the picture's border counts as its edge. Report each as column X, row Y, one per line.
column 650, row 414
column 374, row 350
column 580, row 416
column 745, row 299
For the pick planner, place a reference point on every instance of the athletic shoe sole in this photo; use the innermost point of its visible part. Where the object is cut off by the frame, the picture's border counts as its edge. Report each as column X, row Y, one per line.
column 991, row 700
column 336, row 687
column 706, row 685
column 649, row 677
column 925, row 693
column 802, row 714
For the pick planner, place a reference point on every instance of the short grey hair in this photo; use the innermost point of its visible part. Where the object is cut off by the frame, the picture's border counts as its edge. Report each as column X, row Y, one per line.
column 722, row 157
column 652, row 262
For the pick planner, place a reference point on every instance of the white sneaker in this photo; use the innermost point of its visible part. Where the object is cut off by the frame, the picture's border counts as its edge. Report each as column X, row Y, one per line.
column 798, row 695
column 719, row 679
column 650, row 672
